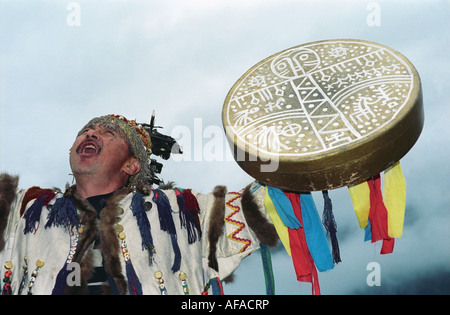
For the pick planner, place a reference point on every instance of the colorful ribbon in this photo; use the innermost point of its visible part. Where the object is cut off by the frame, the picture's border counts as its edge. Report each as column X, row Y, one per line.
column 281, row 229
column 315, row 234
column 360, row 195
column 378, row 216
column 394, row 198
column 301, row 257
column 284, row 208
column 381, row 214
column 268, row 271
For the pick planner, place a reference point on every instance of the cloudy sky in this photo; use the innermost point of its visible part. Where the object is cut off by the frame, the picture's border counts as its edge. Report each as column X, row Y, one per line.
column 64, row 62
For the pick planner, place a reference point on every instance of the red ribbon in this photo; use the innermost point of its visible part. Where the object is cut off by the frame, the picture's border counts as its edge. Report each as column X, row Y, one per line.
column 378, row 216
column 301, row 257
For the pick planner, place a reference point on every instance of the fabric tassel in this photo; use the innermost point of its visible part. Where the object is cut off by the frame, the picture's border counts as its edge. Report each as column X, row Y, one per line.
column 315, row 234
column 164, row 211
column 61, row 280
column 138, row 210
column 284, row 208
column 64, row 212
column 281, row 229
column 378, row 216
column 33, row 215
column 330, row 225
column 176, row 249
column 167, row 224
column 192, row 205
column 394, row 198
column 268, row 271
column 187, row 220
column 134, row 285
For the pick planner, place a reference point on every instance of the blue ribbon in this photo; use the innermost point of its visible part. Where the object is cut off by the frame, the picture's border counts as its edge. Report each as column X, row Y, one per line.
column 284, row 208
column 315, row 234
column 368, row 232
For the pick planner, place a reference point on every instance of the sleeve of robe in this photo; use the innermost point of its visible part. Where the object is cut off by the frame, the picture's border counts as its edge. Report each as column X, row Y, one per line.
column 10, row 201
column 233, row 226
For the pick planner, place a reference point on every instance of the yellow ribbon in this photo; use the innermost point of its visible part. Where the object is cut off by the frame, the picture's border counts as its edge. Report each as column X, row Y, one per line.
column 360, row 195
column 281, row 229
column 394, row 198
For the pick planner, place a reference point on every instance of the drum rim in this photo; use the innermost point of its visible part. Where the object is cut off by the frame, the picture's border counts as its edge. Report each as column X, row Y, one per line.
column 412, row 113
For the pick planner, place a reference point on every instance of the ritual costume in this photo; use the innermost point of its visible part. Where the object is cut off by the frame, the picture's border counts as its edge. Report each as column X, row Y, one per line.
column 137, row 240
column 311, row 118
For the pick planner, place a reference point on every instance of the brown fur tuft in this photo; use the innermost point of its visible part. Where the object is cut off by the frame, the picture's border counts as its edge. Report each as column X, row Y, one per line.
column 109, row 243
column 216, row 224
column 8, row 186
column 265, row 231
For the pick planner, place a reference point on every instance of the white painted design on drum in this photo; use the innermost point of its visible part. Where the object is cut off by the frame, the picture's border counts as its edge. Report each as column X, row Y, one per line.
column 318, row 97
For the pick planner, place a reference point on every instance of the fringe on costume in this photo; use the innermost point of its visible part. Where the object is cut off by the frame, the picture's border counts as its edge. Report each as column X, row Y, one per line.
column 187, row 219
column 33, row 215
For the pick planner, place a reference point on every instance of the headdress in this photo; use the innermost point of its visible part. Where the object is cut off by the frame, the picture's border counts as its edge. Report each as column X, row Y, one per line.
column 143, row 140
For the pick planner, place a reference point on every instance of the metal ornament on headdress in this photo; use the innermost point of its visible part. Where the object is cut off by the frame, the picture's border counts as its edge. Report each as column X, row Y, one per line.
column 326, row 114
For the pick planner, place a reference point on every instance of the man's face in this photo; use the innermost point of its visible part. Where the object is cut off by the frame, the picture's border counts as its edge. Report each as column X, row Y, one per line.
column 99, row 151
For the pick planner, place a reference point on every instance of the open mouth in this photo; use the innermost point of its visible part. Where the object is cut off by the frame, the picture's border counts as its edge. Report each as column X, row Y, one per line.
column 89, row 148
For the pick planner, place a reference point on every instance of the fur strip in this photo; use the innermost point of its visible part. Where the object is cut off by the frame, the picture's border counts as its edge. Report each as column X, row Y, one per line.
column 83, row 255
column 109, row 243
column 216, row 223
column 8, row 186
column 264, row 231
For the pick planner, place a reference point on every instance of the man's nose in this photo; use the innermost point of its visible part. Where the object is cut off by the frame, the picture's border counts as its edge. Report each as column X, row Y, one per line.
column 92, row 133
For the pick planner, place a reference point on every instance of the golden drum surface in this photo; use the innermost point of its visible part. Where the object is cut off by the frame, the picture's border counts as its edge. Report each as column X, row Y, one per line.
column 324, row 115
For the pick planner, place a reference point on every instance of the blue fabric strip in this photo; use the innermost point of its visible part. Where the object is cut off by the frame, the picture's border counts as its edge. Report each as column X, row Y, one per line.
column 284, row 208
column 315, row 234
column 368, row 232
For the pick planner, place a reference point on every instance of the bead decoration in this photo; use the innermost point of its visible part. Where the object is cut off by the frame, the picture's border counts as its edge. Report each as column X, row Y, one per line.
column 7, row 279
column 205, row 289
column 183, row 277
column 74, row 245
column 24, row 276
column 159, row 278
column 34, row 274
column 123, row 246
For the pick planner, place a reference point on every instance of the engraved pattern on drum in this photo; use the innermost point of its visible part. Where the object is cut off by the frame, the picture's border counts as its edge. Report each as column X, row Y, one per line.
column 318, row 97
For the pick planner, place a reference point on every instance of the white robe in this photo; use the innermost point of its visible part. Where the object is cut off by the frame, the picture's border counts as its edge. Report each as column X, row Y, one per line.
column 52, row 245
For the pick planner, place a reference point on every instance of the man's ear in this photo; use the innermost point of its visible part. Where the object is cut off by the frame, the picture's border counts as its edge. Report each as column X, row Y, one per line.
column 131, row 166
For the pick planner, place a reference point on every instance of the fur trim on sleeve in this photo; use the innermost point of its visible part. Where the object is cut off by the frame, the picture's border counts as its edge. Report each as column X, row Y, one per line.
column 216, row 224
column 8, row 186
column 263, row 229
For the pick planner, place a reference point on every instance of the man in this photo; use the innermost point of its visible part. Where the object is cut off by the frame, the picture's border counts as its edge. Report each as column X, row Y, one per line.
column 112, row 232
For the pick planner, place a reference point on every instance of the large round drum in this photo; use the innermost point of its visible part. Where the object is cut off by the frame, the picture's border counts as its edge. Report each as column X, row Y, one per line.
column 324, row 115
